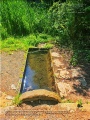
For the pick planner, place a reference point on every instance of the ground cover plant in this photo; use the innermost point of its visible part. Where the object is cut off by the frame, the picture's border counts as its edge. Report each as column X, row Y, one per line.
column 23, row 43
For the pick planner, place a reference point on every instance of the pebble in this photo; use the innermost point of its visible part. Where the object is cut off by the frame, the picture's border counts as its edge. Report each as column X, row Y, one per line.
column 9, row 97
column 13, row 87
column 83, row 81
column 71, row 111
column 55, row 54
column 64, row 89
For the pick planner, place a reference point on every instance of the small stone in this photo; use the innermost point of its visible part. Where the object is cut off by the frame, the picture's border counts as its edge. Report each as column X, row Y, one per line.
column 54, row 54
column 71, row 111
column 57, row 63
column 64, row 74
column 20, row 80
column 83, row 81
column 13, row 87
column 9, row 97
column 64, row 89
column 75, row 73
column 29, row 88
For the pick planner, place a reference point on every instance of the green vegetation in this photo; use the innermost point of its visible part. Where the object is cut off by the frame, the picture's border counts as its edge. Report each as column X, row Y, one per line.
column 49, row 45
column 63, row 100
column 19, row 18
column 70, row 22
column 23, row 43
column 79, row 103
column 16, row 100
column 26, row 24
column 88, row 102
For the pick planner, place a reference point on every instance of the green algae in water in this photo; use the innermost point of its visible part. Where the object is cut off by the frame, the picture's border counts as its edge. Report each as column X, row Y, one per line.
column 38, row 71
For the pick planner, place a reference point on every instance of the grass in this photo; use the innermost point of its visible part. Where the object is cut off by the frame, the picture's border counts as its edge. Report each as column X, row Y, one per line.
column 15, row 17
column 79, row 103
column 49, row 45
column 14, row 44
column 16, row 100
column 20, row 18
column 63, row 100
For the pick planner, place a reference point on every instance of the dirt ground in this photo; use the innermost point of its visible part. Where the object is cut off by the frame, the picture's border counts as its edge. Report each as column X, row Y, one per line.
column 76, row 80
column 12, row 67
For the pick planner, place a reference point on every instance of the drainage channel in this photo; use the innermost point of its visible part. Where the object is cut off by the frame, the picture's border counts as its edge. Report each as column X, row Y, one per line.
column 38, row 80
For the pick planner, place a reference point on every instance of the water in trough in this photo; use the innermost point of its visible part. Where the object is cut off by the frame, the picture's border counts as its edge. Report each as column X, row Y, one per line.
column 38, row 72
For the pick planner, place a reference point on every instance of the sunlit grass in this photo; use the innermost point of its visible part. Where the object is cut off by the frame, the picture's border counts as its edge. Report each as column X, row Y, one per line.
column 14, row 44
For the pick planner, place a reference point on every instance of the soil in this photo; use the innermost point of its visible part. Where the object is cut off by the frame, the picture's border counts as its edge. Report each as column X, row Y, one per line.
column 77, row 79
column 12, row 67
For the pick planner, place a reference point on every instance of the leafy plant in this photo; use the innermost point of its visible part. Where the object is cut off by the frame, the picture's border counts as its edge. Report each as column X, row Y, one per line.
column 70, row 21
column 74, row 60
column 80, row 56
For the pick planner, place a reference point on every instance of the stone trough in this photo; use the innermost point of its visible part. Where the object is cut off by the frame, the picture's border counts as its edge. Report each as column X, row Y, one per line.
column 38, row 80
column 38, row 72
column 40, row 94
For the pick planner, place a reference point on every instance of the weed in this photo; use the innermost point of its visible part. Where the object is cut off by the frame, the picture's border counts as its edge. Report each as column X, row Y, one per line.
column 69, row 101
column 49, row 45
column 88, row 102
column 79, row 103
column 80, row 56
column 16, row 100
column 21, row 76
column 73, row 60
column 66, row 101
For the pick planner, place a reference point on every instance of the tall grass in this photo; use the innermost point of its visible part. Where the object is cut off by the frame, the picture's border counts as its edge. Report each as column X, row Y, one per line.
column 20, row 18
column 15, row 17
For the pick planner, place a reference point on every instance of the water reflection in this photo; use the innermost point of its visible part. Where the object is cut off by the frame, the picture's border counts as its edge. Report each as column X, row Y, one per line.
column 38, row 72
column 28, row 83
